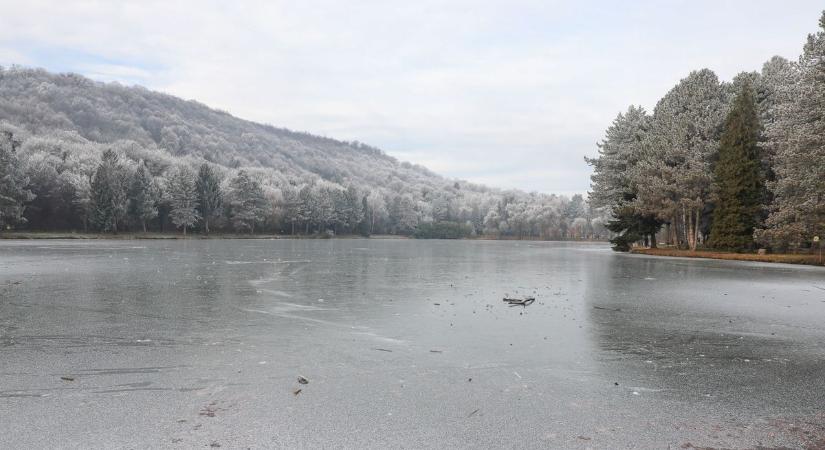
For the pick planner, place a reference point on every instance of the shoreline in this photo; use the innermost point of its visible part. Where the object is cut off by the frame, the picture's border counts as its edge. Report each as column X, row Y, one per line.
column 125, row 236
column 780, row 258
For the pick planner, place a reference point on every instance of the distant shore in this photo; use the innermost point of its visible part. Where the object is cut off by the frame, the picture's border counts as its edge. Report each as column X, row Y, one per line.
column 23, row 235
column 784, row 258
column 30, row 235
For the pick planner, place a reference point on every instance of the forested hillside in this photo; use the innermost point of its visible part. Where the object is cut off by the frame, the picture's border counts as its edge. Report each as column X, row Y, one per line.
column 725, row 165
column 84, row 155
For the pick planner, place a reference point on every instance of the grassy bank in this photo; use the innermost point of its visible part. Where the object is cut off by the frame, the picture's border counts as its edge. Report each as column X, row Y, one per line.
column 785, row 258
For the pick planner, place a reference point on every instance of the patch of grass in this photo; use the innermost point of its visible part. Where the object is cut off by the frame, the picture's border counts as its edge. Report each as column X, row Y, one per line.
column 785, row 258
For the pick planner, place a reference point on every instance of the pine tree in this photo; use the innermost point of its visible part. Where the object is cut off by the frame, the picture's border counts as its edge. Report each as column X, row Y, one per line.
column 355, row 209
column 183, row 197
column 306, row 204
column 323, row 212
column 142, row 206
column 292, row 206
column 674, row 178
column 246, row 202
column 108, row 193
column 363, row 224
column 738, row 178
column 612, row 184
column 210, row 197
column 797, row 137
column 13, row 183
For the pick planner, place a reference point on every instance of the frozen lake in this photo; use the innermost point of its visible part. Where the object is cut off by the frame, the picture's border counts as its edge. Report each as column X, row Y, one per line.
column 405, row 344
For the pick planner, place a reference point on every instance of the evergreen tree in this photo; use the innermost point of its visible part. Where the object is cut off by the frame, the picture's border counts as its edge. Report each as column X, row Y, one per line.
column 612, row 184
column 355, row 208
column 674, row 178
column 630, row 227
column 341, row 210
column 142, row 206
column 306, row 204
column 323, row 212
column 363, row 224
column 738, row 177
column 210, row 197
column 13, row 183
column 292, row 206
column 108, row 193
column 246, row 202
column 797, row 140
column 183, row 198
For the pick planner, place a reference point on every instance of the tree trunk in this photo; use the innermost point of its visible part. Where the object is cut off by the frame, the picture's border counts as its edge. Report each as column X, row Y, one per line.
column 206, row 225
column 696, row 227
column 144, row 225
column 691, row 232
column 674, row 232
column 184, row 231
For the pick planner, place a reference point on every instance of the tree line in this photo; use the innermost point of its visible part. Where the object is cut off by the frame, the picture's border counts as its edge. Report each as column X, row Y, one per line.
column 724, row 165
column 61, row 181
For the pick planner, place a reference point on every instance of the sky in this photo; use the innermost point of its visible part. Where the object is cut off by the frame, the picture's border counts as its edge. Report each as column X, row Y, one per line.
column 512, row 94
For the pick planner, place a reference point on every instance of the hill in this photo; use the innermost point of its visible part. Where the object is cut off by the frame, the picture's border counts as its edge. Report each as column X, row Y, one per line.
column 64, row 122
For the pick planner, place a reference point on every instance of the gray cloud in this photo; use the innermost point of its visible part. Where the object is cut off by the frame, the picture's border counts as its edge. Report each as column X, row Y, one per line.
column 512, row 94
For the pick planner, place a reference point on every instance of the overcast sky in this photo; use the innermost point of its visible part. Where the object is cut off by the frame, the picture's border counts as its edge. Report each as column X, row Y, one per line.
column 510, row 93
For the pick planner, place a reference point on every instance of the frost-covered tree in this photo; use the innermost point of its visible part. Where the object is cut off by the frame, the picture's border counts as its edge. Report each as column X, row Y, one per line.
column 292, row 207
column 376, row 210
column 306, row 205
column 619, row 152
column 356, row 213
column 181, row 190
column 406, row 218
column 342, row 210
column 612, row 184
column 441, row 208
column 108, row 192
column 210, row 197
column 491, row 222
column 775, row 93
column 246, row 202
column 673, row 177
column 797, row 138
column 141, row 196
column 14, row 190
